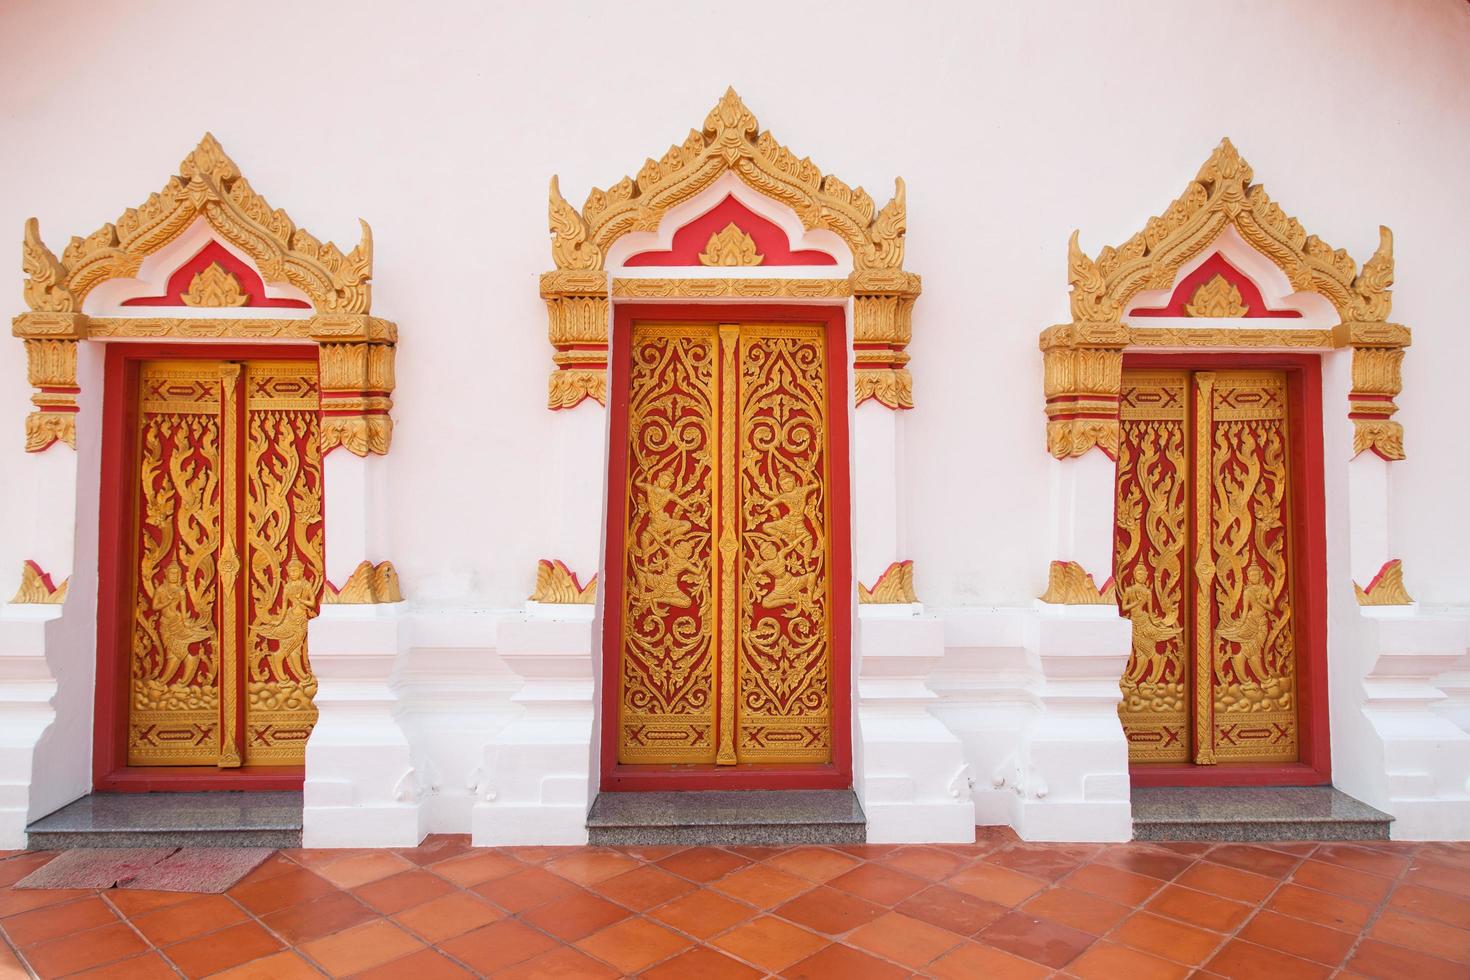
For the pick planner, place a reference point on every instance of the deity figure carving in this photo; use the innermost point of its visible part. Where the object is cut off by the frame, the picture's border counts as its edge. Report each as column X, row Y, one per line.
column 1248, row 632
column 298, row 602
column 178, row 630
column 1136, row 603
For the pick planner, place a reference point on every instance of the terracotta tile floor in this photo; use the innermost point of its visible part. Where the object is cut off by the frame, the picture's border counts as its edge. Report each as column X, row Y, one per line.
column 996, row 908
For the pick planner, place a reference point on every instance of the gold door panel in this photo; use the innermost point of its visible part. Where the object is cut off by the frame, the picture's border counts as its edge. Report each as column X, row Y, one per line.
column 227, row 511
column 783, row 661
column 175, row 662
column 726, row 613
column 1148, row 563
column 283, row 556
column 668, row 661
column 1203, row 562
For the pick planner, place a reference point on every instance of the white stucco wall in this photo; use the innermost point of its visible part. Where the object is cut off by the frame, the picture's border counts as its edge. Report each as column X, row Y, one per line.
column 1012, row 124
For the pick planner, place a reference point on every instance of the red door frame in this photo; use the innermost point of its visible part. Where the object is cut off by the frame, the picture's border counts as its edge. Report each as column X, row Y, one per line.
column 838, row 773
column 116, row 556
column 1304, row 406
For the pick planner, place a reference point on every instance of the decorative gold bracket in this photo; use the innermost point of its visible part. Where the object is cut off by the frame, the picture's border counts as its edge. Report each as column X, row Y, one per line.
column 1069, row 584
column 557, row 584
column 36, row 587
column 367, row 585
column 1387, row 587
column 895, row 586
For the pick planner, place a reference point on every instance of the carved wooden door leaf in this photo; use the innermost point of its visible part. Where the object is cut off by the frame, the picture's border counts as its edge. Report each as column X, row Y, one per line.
column 227, row 559
column 1203, row 563
column 727, row 607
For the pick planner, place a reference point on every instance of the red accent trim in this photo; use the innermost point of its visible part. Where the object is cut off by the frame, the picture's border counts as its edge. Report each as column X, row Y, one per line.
column 250, row 282
column 837, row 774
column 115, row 556
column 1217, row 265
column 1387, row 566
column 1304, row 405
column 770, row 241
column 45, row 576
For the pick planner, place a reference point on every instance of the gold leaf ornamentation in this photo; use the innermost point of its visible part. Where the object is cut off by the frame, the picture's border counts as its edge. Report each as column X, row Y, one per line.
column 1069, row 584
column 733, row 288
column 208, row 186
column 556, row 583
column 894, row 586
column 1387, row 587
column 214, row 287
column 36, row 587
column 731, row 141
column 1221, row 195
column 368, row 584
column 730, row 247
column 567, row 389
column 1217, row 298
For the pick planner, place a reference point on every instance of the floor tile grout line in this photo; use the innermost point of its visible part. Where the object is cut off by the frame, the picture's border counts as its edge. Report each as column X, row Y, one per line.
column 967, row 860
column 1397, row 882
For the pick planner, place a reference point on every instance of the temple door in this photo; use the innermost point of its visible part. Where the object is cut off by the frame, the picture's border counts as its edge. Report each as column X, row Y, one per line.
column 726, row 638
column 226, row 535
column 1204, row 564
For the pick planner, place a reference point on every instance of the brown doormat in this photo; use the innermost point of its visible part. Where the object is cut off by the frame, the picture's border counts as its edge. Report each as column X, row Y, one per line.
column 170, row 869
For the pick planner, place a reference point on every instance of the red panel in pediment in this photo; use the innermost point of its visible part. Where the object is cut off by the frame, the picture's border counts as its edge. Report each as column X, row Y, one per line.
column 692, row 241
column 234, row 285
column 1192, row 291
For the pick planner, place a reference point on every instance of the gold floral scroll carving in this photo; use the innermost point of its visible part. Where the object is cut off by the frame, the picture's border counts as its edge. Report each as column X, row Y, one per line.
column 730, row 247
column 1205, row 564
column 731, row 140
column 209, row 186
column 214, row 287
column 1083, row 361
column 229, row 564
column 727, row 618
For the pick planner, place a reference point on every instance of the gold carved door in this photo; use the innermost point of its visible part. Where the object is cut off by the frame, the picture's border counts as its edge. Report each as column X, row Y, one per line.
column 227, row 563
column 726, row 639
column 1203, row 565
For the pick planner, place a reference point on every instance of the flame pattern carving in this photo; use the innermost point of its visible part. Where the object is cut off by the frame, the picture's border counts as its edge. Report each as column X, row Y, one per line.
column 1212, row 673
column 188, row 670
column 285, row 571
column 1153, row 481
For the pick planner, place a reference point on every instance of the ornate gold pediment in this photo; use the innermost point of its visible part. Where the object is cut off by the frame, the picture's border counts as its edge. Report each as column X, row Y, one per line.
column 730, row 140
column 1084, row 358
column 1222, row 194
column 208, row 184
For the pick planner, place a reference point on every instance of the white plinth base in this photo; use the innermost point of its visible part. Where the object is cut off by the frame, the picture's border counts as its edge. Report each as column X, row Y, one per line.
column 1071, row 771
column 1420, row 759
column 26, row 689
column 363, row 788
column 911, row 774
column 536, row 783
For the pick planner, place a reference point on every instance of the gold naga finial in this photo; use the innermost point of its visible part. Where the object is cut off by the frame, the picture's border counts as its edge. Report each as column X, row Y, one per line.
column 45, row 286
column 569, row 245
column 1373, row 297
